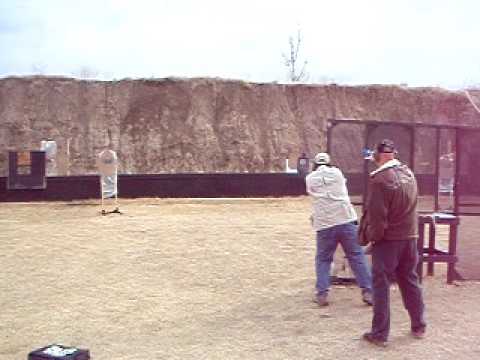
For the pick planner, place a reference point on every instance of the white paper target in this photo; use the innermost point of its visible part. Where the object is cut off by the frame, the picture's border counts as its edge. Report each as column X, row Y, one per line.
column 50, row 148
column 107, row 163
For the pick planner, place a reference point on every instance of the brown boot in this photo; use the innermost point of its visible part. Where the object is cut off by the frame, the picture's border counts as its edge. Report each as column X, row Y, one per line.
column 321, row 299
column 374, row 340
column 418, row 333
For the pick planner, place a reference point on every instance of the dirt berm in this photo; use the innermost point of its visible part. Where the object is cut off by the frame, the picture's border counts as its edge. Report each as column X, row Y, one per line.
column 190, row 125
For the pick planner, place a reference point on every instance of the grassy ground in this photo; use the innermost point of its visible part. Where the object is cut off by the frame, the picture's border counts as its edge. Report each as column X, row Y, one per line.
column 198, row 279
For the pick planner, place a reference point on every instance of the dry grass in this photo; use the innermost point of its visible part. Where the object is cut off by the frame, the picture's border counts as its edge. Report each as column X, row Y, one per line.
column 198, row 279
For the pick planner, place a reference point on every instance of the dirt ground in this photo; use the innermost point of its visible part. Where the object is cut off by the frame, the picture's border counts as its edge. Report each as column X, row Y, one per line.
column 198, row 279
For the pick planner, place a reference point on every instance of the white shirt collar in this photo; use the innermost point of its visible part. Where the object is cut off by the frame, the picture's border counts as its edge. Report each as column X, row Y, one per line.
column 388, row 164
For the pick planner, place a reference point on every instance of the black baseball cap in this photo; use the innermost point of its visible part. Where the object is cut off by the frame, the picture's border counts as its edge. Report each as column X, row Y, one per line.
column 386, row 146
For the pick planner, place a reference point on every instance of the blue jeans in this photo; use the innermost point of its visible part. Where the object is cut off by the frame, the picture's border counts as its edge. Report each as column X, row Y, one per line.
column 395, row 260
column 327, row 241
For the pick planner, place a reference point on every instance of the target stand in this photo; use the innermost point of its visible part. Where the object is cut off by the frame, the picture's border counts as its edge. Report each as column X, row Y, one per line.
column 341, row 273
column 107, row 163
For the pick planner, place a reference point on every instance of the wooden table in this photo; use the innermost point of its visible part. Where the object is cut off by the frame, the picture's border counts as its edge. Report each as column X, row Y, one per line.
column 430, row 254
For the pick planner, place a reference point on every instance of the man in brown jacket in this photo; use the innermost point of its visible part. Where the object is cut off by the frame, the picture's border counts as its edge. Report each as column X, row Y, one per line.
column 390, row 224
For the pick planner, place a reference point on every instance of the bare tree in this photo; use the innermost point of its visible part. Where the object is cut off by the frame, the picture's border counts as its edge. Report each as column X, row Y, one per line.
column 296, row 73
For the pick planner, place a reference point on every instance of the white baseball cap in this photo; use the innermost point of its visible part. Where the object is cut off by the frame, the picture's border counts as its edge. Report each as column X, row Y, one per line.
column 322, row 158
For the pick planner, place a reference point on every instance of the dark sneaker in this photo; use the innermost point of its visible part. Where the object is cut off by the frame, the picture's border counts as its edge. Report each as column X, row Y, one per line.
column 374, row 340
column 321, row 299
column 367, row 297
column 418, row 333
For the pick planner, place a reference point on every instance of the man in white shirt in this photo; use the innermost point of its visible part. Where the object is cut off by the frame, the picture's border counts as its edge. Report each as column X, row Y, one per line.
column 335, row 221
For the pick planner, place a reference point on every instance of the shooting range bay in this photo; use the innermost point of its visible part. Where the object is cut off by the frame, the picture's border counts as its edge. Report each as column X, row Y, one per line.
column 198, row 278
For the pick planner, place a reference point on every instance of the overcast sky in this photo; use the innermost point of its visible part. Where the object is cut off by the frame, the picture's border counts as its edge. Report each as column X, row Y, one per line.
column 414, row 42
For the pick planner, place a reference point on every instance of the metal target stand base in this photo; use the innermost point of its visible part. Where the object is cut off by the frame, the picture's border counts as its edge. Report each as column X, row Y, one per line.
column 337, row 280
column 343, row 274
column 115, row 211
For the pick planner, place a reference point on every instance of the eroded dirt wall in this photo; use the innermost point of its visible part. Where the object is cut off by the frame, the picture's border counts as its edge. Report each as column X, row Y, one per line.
column 190, row 125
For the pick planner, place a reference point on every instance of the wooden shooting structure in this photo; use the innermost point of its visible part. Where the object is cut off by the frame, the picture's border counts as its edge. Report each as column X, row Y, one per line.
column 446, row 163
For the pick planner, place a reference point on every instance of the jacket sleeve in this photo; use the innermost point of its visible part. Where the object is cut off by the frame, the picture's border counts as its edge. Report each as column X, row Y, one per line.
column 308, row 185
column 377, row 213
column 362, row 230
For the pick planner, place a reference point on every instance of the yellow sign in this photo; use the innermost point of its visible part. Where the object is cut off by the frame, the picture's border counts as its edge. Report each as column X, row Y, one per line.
column 23, row 158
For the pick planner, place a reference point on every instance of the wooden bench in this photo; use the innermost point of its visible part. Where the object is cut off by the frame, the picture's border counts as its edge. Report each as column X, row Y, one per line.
column 430, row 253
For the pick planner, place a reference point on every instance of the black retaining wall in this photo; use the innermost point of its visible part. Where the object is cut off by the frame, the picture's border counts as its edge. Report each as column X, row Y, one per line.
column 66, row 188
column 163, row 185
